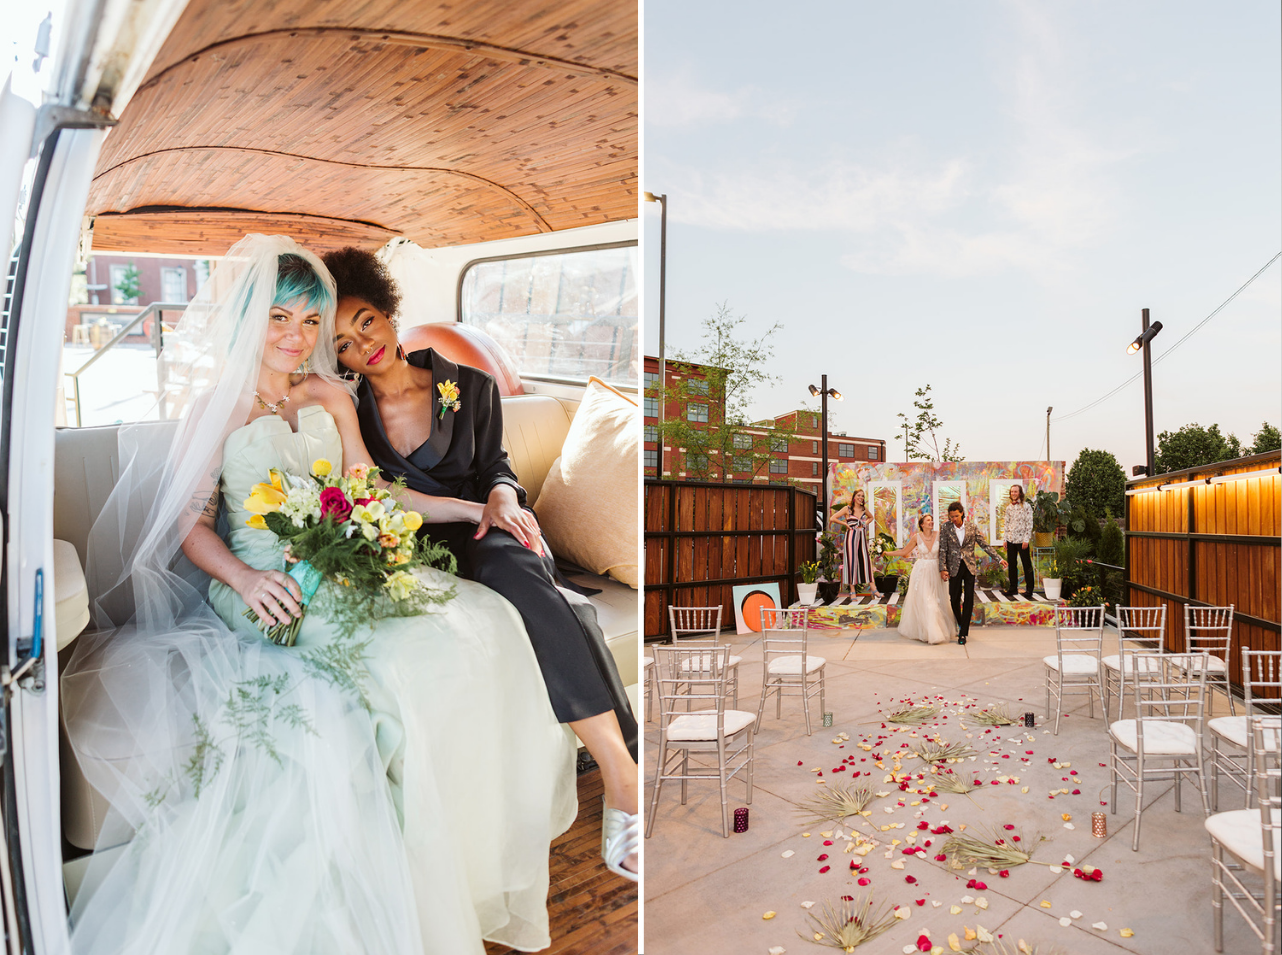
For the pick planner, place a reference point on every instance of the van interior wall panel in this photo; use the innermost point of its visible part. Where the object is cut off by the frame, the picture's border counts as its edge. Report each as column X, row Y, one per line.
column 455, row 124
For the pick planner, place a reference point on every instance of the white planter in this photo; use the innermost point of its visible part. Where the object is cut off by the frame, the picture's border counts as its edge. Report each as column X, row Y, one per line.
column 806, row 593
column 1051, row 585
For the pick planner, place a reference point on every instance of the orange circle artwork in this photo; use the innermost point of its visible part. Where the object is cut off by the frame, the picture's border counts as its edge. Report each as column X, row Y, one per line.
column 752, row 606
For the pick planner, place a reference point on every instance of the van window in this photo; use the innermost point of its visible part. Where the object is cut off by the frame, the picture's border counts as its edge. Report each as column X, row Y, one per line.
column 561, row 315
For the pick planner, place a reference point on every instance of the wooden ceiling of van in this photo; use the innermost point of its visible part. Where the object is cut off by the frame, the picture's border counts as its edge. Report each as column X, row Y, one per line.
column 352, row 123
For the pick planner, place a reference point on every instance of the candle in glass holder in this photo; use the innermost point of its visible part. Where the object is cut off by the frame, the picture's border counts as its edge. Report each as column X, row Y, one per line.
column 1030, row 719
column 1099, row 825
column 741, row 819
column 827, row 719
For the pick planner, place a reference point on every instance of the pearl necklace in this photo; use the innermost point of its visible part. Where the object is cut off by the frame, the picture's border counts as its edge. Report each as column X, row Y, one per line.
column 273, row 407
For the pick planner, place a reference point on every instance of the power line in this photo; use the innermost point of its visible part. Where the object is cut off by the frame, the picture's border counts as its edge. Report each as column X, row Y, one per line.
column 1187, row 336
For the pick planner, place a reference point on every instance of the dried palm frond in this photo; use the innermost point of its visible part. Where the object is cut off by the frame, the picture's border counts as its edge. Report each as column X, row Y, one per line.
column 953, row 783
column 837, row 802
column 996, row 715
column 993, row 852
column 850, row 924
column 913, row 715
column 937, row 750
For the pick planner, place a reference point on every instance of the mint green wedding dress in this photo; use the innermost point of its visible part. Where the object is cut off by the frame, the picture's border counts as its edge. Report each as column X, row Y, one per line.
column 480, row 771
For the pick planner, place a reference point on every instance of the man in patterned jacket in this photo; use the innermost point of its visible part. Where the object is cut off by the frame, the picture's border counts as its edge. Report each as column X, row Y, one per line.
column 957, row 565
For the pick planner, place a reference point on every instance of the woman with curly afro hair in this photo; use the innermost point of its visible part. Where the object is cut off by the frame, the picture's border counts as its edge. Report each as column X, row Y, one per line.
column 439, row 425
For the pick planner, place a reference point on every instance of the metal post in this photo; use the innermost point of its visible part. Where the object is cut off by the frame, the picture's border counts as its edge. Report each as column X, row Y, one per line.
column 663, row 355
column 1148, row 396
column 823, row 424
column 1048, row 434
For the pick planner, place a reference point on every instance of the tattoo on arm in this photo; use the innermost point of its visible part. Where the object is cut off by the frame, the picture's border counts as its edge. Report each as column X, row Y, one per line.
column 210, row 507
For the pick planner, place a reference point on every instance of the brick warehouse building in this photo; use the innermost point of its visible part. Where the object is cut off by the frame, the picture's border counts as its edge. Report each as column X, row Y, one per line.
column 780, row 458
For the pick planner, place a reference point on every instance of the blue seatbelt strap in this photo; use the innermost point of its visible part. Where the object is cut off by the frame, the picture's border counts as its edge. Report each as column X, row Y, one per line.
column 38, row 630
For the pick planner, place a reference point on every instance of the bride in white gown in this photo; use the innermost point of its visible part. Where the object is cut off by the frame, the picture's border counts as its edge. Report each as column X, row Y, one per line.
column 393, row 793
column 925, row 614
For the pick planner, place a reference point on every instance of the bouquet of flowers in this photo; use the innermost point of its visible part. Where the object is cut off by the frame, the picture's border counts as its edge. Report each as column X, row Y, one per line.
column 343, row 529
column 881, row 543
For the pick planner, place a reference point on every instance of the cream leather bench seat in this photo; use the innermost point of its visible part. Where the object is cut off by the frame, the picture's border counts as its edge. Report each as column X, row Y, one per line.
column 86, row 468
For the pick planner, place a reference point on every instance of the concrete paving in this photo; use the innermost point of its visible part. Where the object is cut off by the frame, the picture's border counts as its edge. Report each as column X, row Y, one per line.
column 706, row 895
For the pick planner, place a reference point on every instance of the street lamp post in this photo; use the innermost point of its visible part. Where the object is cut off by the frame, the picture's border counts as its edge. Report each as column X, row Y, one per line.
column 823, row 391
column 1049, row 408
column 663, row 281
column 1146, row 336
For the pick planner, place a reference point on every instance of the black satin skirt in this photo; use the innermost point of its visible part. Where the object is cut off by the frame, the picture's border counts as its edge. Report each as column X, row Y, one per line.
column 578, row 668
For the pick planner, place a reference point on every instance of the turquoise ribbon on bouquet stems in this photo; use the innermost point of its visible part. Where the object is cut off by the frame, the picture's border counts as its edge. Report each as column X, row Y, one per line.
column 285, row 634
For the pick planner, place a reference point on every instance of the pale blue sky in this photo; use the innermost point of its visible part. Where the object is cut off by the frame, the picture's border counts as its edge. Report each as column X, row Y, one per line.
column 981, row 196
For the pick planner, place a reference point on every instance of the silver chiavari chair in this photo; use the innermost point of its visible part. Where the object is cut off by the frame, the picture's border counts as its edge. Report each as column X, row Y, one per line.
column 1231, row 753
column 1076, row 663
column 1138, row 628
column 787, row 661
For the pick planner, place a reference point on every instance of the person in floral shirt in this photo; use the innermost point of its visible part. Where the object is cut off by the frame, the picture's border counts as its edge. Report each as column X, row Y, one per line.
column 1019, row 531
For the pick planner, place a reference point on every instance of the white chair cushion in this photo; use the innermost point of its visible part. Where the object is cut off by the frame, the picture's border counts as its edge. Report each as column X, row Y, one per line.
column 792, row 664
column 1161, row 737
column 1075, row 664
column 1214, row 664
column 698, row 727
column 1240, row 832
column 1231, row 728
column 1147, row 665
column 704, row 662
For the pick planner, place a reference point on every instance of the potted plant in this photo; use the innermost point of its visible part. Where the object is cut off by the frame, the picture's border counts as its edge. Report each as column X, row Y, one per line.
column 1049, row 513
column 994, row 576
column 829, row 568
column 809, row 571
column 885, row 582
column 1066, row 568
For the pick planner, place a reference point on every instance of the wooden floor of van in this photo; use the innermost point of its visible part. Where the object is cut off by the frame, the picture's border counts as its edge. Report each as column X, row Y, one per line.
column 593, row 911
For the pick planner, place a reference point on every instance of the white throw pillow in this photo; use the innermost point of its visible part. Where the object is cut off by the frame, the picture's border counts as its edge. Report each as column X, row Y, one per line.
column 588, row 506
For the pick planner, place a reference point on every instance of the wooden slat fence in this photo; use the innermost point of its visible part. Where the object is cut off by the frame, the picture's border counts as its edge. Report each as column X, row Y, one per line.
column 701, row 539
column 1210, row 545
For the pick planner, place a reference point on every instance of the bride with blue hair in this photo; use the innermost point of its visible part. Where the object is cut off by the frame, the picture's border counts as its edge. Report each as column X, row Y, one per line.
column 386, row 788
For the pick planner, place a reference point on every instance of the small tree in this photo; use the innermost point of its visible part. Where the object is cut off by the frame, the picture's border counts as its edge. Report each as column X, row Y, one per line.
column 712, row 424
column 1097, row 482
column 926, row 426
column 1193, row 446
column 1268, row 438
column 130, row 285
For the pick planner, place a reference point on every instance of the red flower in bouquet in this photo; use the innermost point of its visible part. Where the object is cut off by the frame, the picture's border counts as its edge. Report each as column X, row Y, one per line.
column 334, row 503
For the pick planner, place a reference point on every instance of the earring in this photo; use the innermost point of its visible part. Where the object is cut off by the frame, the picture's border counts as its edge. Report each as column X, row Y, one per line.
column 305, row 368
column 400, row 352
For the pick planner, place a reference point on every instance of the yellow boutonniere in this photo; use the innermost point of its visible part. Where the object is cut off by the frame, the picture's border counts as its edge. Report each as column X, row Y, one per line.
column 449, row 397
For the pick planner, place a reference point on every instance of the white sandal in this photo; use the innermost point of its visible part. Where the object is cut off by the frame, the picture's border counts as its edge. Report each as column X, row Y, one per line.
column 620, row 837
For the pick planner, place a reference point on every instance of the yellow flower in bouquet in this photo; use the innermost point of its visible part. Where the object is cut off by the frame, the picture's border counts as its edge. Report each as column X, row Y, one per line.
column 413, row 520
column 266, row 498
column 321, row 467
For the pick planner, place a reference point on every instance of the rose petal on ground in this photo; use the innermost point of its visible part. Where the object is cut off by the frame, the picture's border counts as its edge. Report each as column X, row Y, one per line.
column 1100, row 927
column 1045, row 903
column 768, row 915
column 954, row 910
column 788, row 854
column 1126, row 933
column 902, row 913
column 1075, row 914
column 981, row 903
column 806, row 905
column 777, row 950
column 1065, row 921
